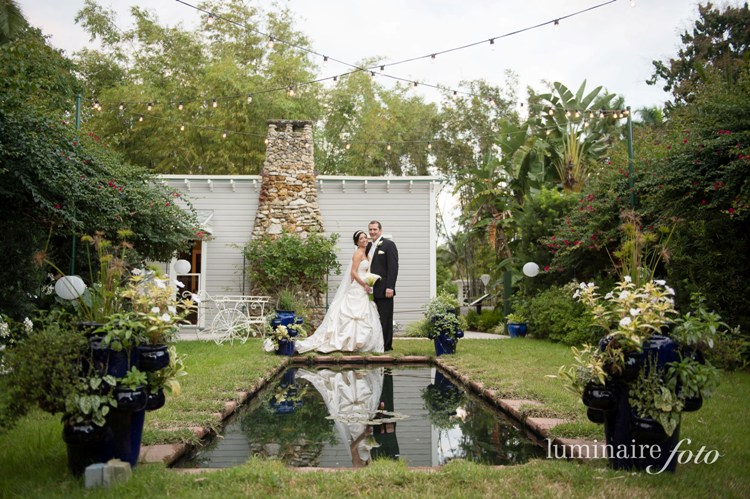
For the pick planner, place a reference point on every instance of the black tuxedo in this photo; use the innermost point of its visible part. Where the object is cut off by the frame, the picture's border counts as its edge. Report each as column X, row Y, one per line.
column 385, row 264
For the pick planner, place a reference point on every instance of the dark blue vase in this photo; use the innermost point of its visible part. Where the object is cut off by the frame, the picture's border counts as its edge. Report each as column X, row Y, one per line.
column 152, row 357
column 286, row 347
column 156, row 400
column 596, row 396
column 445, row 344
column 127, row 430
column 285, row 318
column 87, row 444
column 106, row 360
column 517, row 329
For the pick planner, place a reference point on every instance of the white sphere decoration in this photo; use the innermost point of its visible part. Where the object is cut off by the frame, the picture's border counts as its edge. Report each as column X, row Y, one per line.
column 70, row 287
column 182, row 266
column 530, row 269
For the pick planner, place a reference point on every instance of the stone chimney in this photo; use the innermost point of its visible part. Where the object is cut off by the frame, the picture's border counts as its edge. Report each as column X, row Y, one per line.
column 288, row 200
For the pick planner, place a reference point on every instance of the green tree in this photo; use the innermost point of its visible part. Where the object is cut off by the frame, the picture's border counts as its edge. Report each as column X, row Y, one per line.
column 210, row 90
column 719, row 40
column 12, row 21
column 371, row 130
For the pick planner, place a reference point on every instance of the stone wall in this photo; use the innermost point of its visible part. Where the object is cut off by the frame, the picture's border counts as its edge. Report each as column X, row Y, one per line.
column 288, row 200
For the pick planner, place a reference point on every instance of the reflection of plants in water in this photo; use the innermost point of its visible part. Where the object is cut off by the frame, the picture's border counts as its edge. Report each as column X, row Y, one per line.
column 442, row 398
column 490, row 439
column 303, row 427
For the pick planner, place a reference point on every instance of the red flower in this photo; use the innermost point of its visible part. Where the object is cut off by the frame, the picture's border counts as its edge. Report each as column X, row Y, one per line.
column 704, row 202
column 731, row 211
column 57, row 206
column 546, row 268
column 684, row 141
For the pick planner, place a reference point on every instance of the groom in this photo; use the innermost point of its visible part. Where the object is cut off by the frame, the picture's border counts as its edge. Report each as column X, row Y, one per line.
column 383, row 262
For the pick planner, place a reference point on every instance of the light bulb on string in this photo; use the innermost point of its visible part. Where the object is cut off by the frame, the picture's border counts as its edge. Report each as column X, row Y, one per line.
column 382, row 69
column 388, row 146
column 270, row 42
column 150, row 106
column 348, row 146
column 290, row 92
column 455, row 94
column 182, row 128
column 224, row 135
column 585, row 124
column 557, row 25
column 551, row 112
column 372, row 74
column 140, row 118
column 591, row 115
column 601, row 114
column 265, row 141
column 122, row 106
column 325, row 60
column 433, row 58
column 249, row 98
column 429, row 145
column 549, row 131
column 335, row 79
column 416, row 84
column 492, row 44
column 578, row 113
column 210, row 19
column 567, row 113
column 493, row 103
column 180, row 106
column 215, row 104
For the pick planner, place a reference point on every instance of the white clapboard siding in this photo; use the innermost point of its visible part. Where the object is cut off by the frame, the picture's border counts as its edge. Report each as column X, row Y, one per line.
column 405, row 206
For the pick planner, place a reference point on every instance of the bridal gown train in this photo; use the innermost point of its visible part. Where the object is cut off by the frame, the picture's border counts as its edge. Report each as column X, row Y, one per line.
column 352, row 323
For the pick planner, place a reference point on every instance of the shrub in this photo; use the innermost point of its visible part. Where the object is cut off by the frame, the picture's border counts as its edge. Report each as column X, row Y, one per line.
column 556, row 315
column 488, row 319
column 418, row 329
column 472, row 320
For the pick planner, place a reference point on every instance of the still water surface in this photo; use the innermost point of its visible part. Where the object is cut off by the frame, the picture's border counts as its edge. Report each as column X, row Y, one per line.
column 330, row 417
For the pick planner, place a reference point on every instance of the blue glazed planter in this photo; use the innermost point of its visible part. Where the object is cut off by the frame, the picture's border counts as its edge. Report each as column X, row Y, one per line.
column 153, row 357
column 285, row 318
column 87, row 444
column 285, row 348
column 517, row 329
column 445, row 345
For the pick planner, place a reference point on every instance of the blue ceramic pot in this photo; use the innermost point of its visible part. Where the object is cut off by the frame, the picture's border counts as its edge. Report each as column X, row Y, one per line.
column 153, row 357
column 517, row 329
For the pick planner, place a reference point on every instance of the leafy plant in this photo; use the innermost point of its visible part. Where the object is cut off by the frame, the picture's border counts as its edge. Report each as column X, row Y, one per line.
column 515, row 318
column 698, row 328
column 689, row 378
column 286, row 300
column 290, row 263
column 442, row 316
column 284, row 333
column 168, row 377
column 651, row 397
column 556, row 315
column 588, row 368
column 90, row 399
column 133, row 379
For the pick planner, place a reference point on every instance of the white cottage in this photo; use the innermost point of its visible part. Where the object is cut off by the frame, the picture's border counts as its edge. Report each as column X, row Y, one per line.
column 227, row 206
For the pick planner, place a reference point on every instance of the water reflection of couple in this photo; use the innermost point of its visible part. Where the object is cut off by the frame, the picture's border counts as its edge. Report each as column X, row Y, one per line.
column 353, row 322
column 358, row 401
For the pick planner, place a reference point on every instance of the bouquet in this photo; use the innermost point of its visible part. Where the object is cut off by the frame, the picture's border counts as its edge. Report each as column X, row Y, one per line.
column 370, row 280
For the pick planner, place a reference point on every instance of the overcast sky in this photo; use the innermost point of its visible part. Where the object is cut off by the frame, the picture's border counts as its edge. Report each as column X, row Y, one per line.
column 612, row 45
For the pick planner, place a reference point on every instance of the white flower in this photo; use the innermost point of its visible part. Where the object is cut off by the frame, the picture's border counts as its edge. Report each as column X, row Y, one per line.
column 195, row 298
column 669, row 290
column 660, row 282
column 577, row 294
column 155, row 310
column 179, row 284
column 28, row 325
column 172, row 309
column 625, row 321
column 136, row 272
column 627, row 278
column 590, row 285
column 583, row 285
column 623, row 295
column 166, row 318
column 635, row 311
column 609, row 296
column 160, row 284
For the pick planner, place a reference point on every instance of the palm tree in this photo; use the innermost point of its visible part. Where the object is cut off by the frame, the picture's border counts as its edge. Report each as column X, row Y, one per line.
column 12, row 21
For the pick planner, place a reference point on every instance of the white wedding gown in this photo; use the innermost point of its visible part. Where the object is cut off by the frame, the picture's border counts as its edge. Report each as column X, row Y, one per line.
column 352, row 323
column 352, row 399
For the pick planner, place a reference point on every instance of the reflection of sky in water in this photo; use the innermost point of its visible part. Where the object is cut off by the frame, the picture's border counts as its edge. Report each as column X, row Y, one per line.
column 345, row 418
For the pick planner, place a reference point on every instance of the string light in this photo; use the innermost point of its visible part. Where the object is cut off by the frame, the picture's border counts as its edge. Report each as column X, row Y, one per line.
column 249, row 98
column 382, row 69
column 372, row 74
column 215, row 104
column 270, row 42
column 140, row 118
column 335, row 79
column 557, row 24
column 433, row 58
column 492, row 44
column 325, row 60
column 567, row 113
column 121, row 106
column 291, row 91
column 210, row 19
column 265, row 141
column 416, row 84
column 348, row 146
column 224, row 135
column 493, row 103
column 150, row 106
column 551, row 112
column 182, row 128
column 455, row 94
column 180, row 106
column 388, row 146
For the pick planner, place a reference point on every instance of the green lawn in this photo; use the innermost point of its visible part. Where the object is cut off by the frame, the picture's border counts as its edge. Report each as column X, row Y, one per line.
column 33, row 457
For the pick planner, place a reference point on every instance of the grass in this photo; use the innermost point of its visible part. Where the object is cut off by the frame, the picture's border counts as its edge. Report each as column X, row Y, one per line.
column 33, row 457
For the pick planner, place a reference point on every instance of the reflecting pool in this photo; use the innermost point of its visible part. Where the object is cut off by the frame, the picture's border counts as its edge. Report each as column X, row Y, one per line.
column 346, row 417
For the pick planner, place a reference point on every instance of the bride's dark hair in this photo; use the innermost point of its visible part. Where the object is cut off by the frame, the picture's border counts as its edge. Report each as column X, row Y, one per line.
column 356, row 236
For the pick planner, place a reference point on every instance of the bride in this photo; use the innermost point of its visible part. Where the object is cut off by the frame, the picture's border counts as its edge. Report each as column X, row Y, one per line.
column 352, row 323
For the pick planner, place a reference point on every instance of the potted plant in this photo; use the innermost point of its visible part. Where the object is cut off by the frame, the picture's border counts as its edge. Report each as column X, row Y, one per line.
column 167, row 379
column 647, row 378
column 445, row 326
column 87, row 437
column 281, row 338
column 516, row 325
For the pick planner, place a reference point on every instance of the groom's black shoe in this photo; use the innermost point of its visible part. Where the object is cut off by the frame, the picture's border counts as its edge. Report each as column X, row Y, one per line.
column 388, row 349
